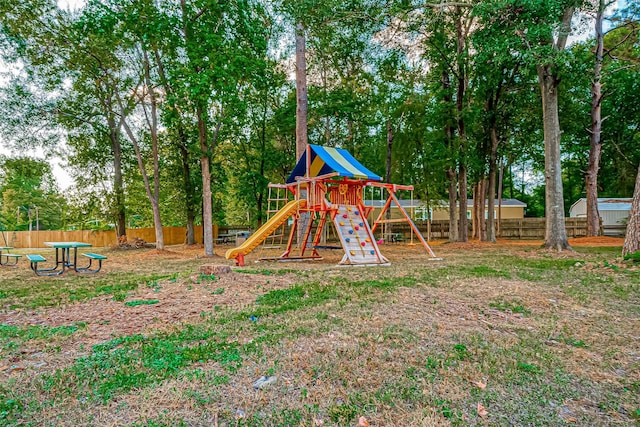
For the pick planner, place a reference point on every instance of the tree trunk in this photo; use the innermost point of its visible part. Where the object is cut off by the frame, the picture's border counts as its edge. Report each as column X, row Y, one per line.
column 118, row 189
column 632, row 238
column 500, row 183
column 483, row 220
column 591, row 177
column 207, row 208
column 183, row 148
column 463, row 224
column 474, row 212
column 153, row 195
column 302, row 109
column 491, row 196
column 453, row 214
column 387, row 176
column 302, row 102
column 189, row 191
column 556, row 233
column 451, row 173
column 155, row 202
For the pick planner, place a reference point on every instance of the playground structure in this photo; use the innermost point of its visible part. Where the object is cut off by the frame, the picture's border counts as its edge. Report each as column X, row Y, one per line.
column 328, row 184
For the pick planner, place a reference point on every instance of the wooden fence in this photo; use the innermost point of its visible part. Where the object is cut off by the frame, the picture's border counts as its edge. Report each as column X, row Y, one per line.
column 522, row 229
column 100, row 238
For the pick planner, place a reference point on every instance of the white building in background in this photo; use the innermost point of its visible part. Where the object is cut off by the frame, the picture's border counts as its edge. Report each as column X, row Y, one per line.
column 614, row 213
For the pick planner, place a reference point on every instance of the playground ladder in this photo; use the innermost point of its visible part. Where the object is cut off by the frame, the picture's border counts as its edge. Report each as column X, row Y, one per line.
column 274, row 204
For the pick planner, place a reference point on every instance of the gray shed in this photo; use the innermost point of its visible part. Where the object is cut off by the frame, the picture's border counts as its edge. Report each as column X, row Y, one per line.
column 613, row 212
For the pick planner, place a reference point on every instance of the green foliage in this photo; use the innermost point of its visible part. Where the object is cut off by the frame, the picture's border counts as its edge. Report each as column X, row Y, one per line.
column 513, row 307
column 207, row 277
column 635, row 257
column 29, row 198
column 135, row 303
column 371, row 85
column 528, row 368
column 266, row 272
column 37, row 332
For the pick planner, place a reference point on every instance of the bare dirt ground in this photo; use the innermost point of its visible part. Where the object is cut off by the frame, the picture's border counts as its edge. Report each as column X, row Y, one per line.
column 181, row 301
column 462, row 307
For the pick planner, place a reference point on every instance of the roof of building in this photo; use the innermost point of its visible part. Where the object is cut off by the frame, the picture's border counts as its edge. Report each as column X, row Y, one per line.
column 325, row 160
column 436, row 205
column 610, row 203
column 505, row 202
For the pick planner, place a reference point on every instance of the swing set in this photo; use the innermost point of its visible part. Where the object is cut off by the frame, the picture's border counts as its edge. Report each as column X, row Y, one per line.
column 327, row 185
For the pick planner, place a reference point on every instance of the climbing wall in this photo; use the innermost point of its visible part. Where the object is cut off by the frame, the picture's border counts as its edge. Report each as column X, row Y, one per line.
column 357, row 240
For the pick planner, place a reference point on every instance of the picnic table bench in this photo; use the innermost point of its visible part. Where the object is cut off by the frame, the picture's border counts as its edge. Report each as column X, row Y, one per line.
column 88, row 268
column 34, row 259
column 8, row 256
column 225, row 238
column 232, row 237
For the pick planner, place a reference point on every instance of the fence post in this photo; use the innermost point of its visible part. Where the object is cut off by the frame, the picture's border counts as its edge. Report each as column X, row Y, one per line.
column 520, row 228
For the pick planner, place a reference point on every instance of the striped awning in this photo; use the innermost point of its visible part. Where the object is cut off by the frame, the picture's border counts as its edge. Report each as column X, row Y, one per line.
column 325, row 160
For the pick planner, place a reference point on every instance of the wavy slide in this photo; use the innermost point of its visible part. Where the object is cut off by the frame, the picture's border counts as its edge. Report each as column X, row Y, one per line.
column 267, row 229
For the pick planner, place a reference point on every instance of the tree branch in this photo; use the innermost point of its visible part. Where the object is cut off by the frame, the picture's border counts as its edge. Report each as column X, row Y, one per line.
column 565, row 28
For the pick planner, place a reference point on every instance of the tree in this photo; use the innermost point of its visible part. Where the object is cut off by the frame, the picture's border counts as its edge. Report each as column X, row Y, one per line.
column 591, row 176
column 632, row 237
column 302, row 101
column 63, row 48
column 497, row 95
column 443, row 30
column 549, row 80
column 543, row 30
column 217, row 55
column 28, row 193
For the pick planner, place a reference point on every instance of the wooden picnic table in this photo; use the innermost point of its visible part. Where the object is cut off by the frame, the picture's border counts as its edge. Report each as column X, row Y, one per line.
column 225, row 238
column 395, row 237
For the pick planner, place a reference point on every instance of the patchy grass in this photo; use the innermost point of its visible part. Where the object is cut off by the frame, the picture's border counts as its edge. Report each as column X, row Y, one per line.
column 138, row 302
column 534, row 337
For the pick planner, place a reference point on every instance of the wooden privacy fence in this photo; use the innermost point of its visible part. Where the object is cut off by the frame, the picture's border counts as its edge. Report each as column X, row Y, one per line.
column 523, row 228
column 520, row 228
column 100, row 238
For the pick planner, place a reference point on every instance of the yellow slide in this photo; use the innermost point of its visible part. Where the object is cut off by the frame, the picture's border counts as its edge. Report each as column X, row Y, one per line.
column 267, row 229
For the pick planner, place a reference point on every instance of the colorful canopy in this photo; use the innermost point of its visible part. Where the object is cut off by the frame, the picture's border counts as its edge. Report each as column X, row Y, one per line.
column 326, row 160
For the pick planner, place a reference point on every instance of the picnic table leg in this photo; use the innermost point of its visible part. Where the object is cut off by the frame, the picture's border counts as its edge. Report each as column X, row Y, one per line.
column 58, row 260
